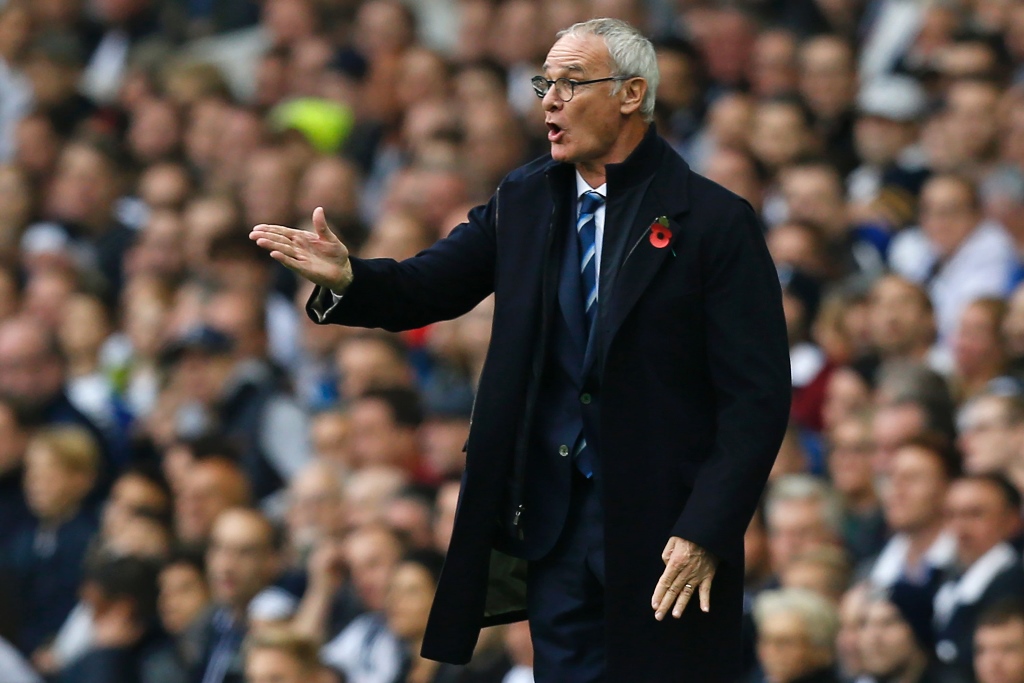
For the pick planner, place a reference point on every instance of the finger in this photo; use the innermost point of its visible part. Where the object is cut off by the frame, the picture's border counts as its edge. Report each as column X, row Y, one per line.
column 664, row 584
column 285, row 247
column 271, row 241
column 684, row 591
column 289, row 262
column 673, row 590
column 320, row 223
column 282, row 230
column 705, row 594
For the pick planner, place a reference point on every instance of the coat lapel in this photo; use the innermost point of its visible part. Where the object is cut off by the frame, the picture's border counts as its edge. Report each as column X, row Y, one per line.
column 650, row 184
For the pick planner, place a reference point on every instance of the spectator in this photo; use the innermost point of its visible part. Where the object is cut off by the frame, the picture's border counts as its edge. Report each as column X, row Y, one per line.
column 315, row 511
column 901, row 321
column 850, row 469
column 999, row 644
column 238, row 397
column 983, row 512
column 978, row 351
column 896, row 640
column 210, row 487
column 241, row 561
column 796, row 632
column 801, row 513
column 13, row 442
column 385, row 425
column 122, row 594
column 32, row 376
column 912, row 501
column 959, row 257
column 45, row 556
column 852, row 610
column 991, row 436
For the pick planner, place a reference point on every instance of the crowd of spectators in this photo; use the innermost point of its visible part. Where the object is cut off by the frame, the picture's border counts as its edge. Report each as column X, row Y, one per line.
column 198, row 484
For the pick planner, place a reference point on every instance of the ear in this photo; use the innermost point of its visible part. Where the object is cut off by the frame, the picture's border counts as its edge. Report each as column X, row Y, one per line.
column 632, row 95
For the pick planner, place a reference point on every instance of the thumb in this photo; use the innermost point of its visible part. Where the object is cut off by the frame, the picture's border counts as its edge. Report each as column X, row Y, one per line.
column 705, row 594
column 320, row 223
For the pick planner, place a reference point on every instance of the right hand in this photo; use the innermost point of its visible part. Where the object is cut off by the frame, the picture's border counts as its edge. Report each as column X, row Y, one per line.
column 318, row 256
column 327, row 565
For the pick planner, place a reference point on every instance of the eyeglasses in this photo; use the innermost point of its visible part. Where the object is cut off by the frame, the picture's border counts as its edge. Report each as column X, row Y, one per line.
column 565, row 88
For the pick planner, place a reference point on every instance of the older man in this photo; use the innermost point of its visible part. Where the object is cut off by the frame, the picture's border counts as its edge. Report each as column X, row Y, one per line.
column 635, row 392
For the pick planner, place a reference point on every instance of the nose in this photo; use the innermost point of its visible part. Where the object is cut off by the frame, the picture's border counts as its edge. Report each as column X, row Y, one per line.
column 551, row 101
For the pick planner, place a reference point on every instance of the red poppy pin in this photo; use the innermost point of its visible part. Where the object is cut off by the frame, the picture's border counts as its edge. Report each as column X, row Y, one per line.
column 660, row 233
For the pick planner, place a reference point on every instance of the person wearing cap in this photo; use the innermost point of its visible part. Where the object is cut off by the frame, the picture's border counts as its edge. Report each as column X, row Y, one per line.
column 238, row 396
column 896, row 642
column 884, row 187
column 635, row 393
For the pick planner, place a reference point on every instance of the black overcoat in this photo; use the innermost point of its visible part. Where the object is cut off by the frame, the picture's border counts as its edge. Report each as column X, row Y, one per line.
column 692, row 367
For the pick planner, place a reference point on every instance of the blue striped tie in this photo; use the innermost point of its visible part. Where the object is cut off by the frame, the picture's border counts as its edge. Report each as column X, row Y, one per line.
column 586, row 230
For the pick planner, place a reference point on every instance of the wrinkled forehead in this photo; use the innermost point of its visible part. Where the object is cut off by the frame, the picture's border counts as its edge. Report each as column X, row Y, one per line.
column 578, row 56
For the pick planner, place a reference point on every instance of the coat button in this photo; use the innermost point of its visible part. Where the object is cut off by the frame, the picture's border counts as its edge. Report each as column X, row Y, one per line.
column 563, row 450
column 585, row 399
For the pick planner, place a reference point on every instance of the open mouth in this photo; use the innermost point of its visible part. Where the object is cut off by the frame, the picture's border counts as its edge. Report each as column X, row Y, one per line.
column 555, row 132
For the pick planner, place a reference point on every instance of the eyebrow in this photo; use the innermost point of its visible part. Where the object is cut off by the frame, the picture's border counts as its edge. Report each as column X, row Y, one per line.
column 572, row 69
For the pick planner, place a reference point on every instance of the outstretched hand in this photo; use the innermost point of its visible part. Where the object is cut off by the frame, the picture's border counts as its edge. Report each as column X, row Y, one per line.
column 688, row 568
column 318, row 256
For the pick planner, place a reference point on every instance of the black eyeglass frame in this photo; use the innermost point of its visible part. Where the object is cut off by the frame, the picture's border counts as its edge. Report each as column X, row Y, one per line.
column 536, row 82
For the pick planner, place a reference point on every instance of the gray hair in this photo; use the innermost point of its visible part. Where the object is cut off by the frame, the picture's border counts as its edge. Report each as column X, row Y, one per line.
column 820, row 617
column 806, row 487
column 631, row 52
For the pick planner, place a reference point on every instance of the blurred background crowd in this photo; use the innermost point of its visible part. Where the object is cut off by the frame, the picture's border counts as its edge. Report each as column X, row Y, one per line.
column 197, row 484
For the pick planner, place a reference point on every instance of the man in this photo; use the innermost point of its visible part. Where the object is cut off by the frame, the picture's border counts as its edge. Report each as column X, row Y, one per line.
column 632, row 397
column 239, row 397
column 241, row 561
column 912, row 499
column 385, row 429
column 796, row 635
column 982, row 512
column 896, row 640
column 900, row 320
column 802, row 513
column 957, row 254
column 999, row 644
column 992, row 435
column 209, row 487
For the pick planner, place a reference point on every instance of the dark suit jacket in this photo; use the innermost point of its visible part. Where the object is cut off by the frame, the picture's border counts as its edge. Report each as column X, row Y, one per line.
column 691, row 364
column 955, row 640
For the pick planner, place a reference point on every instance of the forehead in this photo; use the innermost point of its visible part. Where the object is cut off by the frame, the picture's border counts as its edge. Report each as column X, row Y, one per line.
column 578, row 55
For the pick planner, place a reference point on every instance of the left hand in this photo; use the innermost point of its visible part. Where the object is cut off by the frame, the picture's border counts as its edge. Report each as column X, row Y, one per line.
column 688, row 567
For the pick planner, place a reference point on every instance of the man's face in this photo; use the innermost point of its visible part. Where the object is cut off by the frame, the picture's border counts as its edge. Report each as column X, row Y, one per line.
column 183, row 595
column 208, row 488
column 999, row 653
column 915, row 488
column 827, row 77
column 240, row 560
column 30, row 374
column 132, row 495
column 585, row 129
column 947, row 214
column 891, row 426
column 886, row 642
column 376, row 438
column 849, row 462
column 815, row 195
column 897, row 317
column 785, row 649
column 371, row 556
column 978, row 517
column 794, row 527
column 988, row 439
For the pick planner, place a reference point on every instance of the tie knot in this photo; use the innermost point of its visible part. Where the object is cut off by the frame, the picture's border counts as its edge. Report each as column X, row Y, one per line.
column 590, row 202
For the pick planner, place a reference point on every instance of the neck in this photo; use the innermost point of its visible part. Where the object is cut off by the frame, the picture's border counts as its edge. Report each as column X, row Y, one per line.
column 594, row 172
